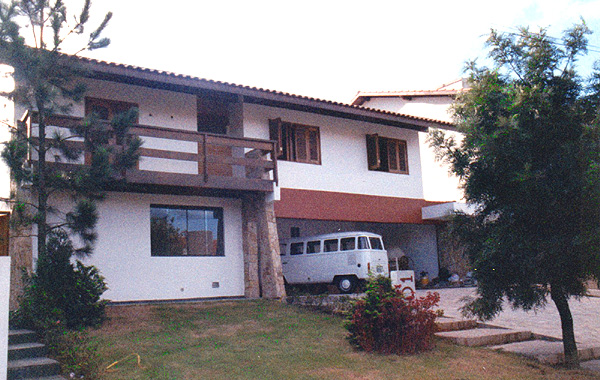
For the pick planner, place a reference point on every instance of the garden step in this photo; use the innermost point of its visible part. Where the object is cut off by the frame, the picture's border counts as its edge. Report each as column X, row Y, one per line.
column 21, row 336
column 548, row 352
column 57, row 377
column 449, row 324
column 485, row 336
column 32, row 368
column 25, row 350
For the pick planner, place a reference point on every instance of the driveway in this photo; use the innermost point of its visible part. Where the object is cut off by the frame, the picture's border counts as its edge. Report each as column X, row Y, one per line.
column 586, row 315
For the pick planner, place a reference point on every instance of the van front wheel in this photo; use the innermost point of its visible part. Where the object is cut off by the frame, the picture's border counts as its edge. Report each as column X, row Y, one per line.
column 346, row 284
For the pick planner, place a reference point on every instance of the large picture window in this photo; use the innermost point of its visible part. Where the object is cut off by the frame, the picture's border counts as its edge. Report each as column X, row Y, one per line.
column 296, row 142
column 186, row 231
column 387, row 155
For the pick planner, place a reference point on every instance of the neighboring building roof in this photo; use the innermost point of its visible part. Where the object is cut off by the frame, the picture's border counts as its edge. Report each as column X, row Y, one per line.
column 450, row 90
column 178, row 82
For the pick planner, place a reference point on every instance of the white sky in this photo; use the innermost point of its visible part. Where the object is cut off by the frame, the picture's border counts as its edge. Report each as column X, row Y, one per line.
column 327, row 49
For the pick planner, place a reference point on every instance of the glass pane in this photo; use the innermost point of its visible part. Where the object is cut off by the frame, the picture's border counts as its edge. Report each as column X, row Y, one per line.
column 348, row 244
column 376, row 243
column 363, row 242
column 402, row 164
column 301, row 144
column 167, row 232
column 313, row 144
column 392, row 155
column 296, row 248
column 282, row 249
column 330, row 245
column 313, row 246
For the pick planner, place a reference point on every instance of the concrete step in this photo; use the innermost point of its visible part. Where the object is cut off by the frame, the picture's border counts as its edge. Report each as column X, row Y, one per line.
column 25, row 350
column 57, row 377
column 485, row 336
column 548, row 352
column 450, row 324
column 592, row 365
column 32, row 368
column 21, row 336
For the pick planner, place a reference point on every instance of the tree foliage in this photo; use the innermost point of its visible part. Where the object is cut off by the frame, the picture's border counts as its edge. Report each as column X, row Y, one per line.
column 529, row 161
column 41, row 39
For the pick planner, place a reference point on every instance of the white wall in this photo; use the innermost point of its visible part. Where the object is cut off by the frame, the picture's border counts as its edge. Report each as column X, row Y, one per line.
column 122, row 252
column 6, row 120
column 438, row 183
column 4, row 296
column 343, row 155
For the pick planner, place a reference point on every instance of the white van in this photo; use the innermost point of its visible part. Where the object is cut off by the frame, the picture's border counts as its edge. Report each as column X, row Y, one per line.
column 342, row 258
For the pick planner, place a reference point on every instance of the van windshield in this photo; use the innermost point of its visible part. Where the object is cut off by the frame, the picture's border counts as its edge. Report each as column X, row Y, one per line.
column 363, row 242
column 376, row 243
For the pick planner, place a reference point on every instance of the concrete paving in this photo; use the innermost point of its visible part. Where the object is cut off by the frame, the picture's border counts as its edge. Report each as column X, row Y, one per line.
column 547, row 352
column 484, row 336
column 545, row 322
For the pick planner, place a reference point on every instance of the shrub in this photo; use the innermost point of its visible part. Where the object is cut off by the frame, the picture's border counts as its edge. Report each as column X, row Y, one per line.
column 76, row 352
column 385, row 321
column 60, row 292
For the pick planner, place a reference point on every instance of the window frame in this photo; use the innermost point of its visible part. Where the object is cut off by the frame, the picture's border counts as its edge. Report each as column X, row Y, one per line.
column 219, row 211
column 381, row 149
column 288, row 135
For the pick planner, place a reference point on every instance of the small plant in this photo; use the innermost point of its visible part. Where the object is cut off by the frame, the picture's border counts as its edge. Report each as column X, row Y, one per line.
column 385, row 321
column 60, row 292
column 76, row 352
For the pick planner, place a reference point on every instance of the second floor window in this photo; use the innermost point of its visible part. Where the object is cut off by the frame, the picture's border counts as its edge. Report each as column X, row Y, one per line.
column 106, row 109
column 386, row 154
column 296, row 142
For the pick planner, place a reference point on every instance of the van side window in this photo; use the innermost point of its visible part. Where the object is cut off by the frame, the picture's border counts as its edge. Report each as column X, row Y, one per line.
column 313, row 246
column 330, row 245
column 376, row 243
column 296, row 248
column 348, row 244
column 282, row 249
column 363, row 242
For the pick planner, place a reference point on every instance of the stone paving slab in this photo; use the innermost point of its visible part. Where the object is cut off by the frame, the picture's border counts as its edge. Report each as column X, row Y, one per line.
column 545, row 322
column 453, row 324
column 485, row 336
column 547, row 352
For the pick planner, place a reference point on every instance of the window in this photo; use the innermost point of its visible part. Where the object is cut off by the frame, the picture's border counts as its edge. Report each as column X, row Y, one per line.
column 387, row 155
column 348, row 244
column 106, row 109
column 296, row 248
column 376, row 243
column 363, row 242
column 282, row 249
column 313, row 246
column 330, row 245
column 186, row 231
column 296, row 142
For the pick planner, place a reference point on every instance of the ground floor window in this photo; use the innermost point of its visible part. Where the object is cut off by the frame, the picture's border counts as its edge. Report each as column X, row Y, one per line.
column 186, row 231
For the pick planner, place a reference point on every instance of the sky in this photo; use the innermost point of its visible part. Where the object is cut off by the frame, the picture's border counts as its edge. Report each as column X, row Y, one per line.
column 327, row 49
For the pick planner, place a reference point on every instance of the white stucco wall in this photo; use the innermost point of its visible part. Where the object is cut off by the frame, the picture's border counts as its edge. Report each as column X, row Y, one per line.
column 6, row 120
column 4, row 296
column 343, row 155
column 438, row 183
column 122, row 252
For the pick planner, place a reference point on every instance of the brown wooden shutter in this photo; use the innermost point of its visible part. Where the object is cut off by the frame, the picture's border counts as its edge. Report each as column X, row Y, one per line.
column 313, row 145
column 402, row 157
column 373, row 152
column 276, row 134
column 301, row 137
column 392, row 155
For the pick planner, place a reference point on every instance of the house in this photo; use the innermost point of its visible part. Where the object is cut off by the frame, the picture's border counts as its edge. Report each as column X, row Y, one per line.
column 227, row 170
column 438, row 184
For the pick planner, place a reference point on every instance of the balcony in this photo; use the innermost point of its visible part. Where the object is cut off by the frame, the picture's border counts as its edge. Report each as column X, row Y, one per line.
column 178, row 160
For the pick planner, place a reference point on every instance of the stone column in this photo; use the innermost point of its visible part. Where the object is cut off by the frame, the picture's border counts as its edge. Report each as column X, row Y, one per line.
column 20, row 251
column 262, row 263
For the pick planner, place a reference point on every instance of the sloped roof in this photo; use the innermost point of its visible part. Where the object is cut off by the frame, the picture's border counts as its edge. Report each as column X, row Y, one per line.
column 179, row 82
column 449, row 89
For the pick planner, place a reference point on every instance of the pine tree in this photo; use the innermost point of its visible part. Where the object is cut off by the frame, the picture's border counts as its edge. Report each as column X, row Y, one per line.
column 529, row 161
column 33, row 34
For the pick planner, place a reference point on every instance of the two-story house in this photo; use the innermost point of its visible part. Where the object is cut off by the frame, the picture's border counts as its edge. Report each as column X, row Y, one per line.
column 227, row 170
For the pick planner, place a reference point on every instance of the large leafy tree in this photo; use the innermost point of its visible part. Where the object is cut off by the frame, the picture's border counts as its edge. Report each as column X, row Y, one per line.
column 41, row 39
column 530, row 162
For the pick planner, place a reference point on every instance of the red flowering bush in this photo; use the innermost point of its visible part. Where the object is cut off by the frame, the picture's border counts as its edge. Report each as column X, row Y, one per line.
column 385, row 321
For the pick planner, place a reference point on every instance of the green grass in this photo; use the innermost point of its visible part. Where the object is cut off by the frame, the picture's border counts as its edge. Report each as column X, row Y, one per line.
column 272, row 340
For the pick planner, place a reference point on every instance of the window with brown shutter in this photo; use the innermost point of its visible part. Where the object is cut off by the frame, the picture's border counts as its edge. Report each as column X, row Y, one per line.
column 386, row 154
column 296, row 142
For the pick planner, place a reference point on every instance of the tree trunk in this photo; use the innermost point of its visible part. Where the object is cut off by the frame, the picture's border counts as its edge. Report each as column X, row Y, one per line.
column 566, row 321
column 42, row 216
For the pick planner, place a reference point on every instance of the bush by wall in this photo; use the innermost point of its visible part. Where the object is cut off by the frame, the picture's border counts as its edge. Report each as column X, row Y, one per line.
column 385, row 321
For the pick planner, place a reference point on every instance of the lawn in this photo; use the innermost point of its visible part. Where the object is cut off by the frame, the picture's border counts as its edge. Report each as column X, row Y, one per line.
column 272, row 340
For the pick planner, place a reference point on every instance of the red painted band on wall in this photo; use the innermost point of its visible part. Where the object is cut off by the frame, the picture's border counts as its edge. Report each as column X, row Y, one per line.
column 326, row 205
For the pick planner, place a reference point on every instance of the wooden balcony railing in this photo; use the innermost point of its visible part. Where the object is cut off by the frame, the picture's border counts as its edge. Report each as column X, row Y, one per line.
column 188, row 159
